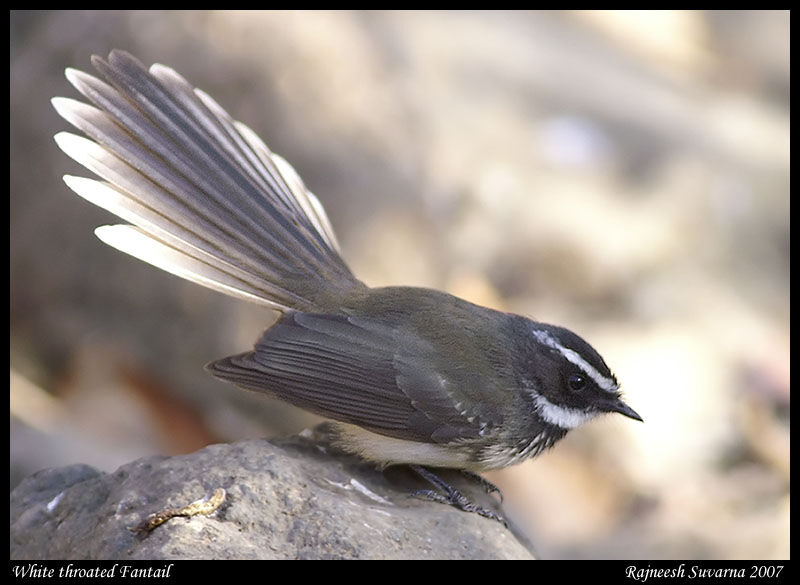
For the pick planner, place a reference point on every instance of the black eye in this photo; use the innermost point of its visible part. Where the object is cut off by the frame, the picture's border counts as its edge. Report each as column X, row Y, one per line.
column 576, row 382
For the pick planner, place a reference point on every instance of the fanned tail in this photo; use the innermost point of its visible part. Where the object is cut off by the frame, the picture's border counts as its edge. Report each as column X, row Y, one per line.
column 205, row 197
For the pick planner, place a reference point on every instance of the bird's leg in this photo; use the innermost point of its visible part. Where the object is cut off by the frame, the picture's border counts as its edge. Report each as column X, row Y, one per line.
column 487, row 485
column 447, row 494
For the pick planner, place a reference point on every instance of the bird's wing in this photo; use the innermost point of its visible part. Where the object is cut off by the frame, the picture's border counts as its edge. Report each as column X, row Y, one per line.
column 358, row 371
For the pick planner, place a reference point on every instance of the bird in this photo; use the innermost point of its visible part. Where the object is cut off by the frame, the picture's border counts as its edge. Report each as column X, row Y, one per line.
column 408, row 375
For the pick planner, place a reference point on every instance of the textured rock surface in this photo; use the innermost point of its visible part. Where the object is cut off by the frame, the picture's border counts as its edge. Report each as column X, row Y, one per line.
column 285, row 499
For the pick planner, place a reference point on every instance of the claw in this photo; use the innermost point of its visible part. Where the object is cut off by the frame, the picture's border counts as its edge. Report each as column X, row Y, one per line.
column 452, row 496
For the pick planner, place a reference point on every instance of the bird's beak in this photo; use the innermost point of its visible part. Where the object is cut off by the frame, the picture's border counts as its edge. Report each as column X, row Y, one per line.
column 616, row 405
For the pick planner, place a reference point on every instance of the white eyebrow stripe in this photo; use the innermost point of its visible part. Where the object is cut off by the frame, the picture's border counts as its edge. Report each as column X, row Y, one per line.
column 607, row 384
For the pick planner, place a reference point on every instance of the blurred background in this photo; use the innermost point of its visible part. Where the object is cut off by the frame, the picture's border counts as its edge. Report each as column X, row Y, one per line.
column 624, row 174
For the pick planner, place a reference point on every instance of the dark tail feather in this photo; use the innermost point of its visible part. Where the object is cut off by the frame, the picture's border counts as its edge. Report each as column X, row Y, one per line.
column 207, row 199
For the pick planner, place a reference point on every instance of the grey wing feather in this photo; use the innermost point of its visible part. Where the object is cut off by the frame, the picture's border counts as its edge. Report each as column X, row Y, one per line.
column 341, row 368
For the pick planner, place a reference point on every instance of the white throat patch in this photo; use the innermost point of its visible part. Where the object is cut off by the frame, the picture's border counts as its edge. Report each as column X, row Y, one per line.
column 566, row 418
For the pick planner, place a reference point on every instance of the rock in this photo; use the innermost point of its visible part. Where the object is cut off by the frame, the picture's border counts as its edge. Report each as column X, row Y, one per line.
column 285, row 499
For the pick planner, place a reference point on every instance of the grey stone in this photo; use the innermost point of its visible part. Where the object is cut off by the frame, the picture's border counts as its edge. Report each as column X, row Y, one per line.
column 286, row 499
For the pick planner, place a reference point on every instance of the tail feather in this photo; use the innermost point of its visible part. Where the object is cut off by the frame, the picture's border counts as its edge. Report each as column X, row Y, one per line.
column 210, row 202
